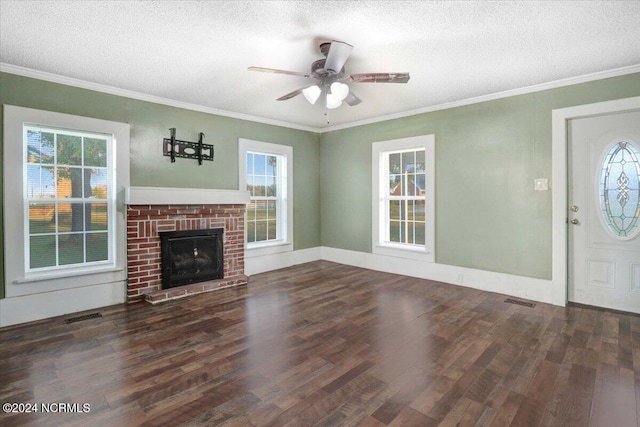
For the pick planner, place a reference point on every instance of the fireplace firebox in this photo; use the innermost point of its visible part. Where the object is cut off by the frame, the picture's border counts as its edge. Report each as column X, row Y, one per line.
column 191, row 256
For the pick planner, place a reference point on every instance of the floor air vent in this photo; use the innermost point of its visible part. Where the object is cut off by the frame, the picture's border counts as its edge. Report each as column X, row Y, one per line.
column 81, row 318
column 525, row 303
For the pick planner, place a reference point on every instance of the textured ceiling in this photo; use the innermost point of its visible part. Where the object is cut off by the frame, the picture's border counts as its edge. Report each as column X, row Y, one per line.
column 198, row 52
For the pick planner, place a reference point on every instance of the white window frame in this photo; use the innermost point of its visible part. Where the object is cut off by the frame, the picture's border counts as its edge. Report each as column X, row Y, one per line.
column 285, row 195
column 380, row 198
column 19, row 278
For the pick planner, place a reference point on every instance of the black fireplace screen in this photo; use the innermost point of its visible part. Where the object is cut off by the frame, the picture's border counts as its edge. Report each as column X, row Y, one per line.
column 191, row 256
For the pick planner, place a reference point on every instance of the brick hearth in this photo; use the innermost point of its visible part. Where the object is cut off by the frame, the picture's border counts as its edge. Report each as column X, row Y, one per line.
column 144, row 270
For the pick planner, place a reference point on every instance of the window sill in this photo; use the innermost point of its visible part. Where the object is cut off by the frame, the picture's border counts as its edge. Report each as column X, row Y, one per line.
column 42, row 277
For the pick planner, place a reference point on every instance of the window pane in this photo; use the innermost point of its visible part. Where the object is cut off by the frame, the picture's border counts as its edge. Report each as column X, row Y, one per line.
column 271, row 232
column 70, row 217
column 261, row 231
column 414, row 187
column 259, row 186
column 95, row 152
column 251, row 232
column 271, row 210
column 97, row 247
column 410, row 230
column 395, row 189
column 69, row 183
column 420, row 161
column 409, row 162
column 394, row 209
column 259, row 164
column 69, row 150
column 40, row 181
column 420, row 184
column 97, row 179
column 419, row 210
column 71, row 248
column 420, row 236
column 394, row 231
column 42, row 251
column 40, row 147
column 251, row 211
column 98, row 217
column 42, row 218
column 272, row 164
column 261, row 209
column 272, row 191
column 395, row 166
column 410, row 210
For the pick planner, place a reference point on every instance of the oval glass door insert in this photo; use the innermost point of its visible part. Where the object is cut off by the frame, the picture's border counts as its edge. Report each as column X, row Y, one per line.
column 619, row 189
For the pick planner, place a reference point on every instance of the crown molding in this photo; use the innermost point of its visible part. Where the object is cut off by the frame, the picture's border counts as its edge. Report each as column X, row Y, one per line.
column 83, row 84
column 55, row 78
column 631, row 69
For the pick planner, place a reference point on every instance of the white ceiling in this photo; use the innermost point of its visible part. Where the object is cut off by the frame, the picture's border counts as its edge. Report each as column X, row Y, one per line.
column 197, row 52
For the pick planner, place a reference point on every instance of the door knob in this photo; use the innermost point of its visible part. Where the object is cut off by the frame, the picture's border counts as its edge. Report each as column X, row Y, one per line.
column 574, row 208
column 574, row 221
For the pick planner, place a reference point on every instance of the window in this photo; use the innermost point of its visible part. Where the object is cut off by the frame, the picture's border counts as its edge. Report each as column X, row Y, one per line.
column 265, row 171
column 403, row 209
column 60, row 186
column 69, row 183
column 619, row 189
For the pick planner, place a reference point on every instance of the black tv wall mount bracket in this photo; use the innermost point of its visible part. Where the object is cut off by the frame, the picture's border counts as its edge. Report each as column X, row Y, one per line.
column 173, row 148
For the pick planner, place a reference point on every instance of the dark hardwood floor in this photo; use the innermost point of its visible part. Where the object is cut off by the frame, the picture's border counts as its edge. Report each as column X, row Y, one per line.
column 327, row 344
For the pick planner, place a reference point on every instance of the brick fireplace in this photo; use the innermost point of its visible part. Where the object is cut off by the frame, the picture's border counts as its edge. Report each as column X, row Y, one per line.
column 152, row 210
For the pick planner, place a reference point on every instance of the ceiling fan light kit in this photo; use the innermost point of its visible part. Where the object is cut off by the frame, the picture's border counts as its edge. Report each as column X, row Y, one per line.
column 312, row 93
column 332, row 78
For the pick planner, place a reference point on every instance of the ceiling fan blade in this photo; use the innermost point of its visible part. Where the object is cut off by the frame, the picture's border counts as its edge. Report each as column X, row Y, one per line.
column 273, row 70
column 338, row 54
column 380, row 78
column 291, row 94
column 352, row 99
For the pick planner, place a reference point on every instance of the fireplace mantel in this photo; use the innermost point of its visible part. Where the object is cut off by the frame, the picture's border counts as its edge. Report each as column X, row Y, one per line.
column 184, row 196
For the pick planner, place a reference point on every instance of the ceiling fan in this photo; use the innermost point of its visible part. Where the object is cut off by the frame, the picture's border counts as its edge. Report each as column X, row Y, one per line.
column 331, row 80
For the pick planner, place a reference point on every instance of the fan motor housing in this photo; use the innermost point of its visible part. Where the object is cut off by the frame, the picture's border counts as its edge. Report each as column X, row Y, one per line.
column 317, row 67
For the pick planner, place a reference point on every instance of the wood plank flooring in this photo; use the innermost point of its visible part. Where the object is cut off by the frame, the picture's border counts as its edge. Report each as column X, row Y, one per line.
column 323, row 344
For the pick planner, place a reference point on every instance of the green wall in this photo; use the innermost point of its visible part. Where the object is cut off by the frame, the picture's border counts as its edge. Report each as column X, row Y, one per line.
column 488, row 154
column 150, row 123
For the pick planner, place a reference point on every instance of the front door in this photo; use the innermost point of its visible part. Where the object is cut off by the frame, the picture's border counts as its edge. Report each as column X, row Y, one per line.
column 604, row 211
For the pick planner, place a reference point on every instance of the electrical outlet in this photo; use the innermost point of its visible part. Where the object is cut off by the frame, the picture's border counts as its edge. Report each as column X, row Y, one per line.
column 460, row 278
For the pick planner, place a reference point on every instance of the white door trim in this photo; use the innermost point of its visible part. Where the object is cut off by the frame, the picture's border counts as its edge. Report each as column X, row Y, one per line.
column 559, row 141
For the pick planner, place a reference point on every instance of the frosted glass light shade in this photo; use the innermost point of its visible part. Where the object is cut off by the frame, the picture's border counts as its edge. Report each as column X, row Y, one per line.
column 333, row 101
column 340, row 90
column 312, row 93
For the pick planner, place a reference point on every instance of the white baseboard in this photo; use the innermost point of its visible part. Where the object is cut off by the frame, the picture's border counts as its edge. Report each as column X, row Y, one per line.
column 27, row 308
column 260, row 264
column 516, row 286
